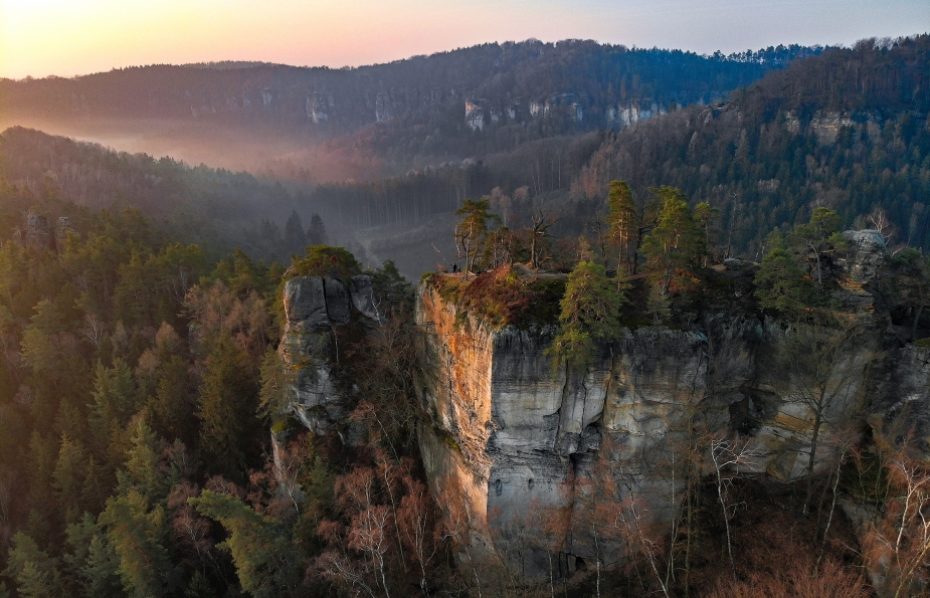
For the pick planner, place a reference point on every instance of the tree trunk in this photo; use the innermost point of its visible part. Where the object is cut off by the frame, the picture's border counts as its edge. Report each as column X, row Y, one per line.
column 815, row 434
column 916, row 323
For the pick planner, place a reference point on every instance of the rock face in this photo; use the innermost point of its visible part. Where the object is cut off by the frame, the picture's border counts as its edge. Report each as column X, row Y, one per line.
column 513, row 436
column 522, row 455
column 314, row 307
column 515, row 443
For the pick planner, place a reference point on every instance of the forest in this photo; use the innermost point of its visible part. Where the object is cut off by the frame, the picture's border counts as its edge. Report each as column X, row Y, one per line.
column 757, row 220
column 142, row 392
column 138, row 383
column 844, row 129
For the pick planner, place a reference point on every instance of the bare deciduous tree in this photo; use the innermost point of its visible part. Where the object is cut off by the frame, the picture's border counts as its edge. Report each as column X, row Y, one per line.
column 728, row 457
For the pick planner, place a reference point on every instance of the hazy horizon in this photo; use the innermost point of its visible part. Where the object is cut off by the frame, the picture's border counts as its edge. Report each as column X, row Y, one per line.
column 57, row 38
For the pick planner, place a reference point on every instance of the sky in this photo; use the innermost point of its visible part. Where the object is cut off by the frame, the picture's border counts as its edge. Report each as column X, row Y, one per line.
column 70, row 37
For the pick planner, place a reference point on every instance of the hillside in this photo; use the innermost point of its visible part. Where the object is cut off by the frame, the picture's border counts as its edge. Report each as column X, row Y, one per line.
column 218, row 208
column 847, row 130
column 329, row 124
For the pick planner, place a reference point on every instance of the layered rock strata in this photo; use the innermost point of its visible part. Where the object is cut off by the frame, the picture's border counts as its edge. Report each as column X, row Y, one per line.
column 515, row 443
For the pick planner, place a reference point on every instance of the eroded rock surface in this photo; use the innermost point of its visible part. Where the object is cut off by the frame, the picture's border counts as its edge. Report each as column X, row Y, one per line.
column 515, row 442
column 314, row 307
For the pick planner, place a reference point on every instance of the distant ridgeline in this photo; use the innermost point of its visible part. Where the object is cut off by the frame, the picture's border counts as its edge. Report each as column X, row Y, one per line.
column 425, row 105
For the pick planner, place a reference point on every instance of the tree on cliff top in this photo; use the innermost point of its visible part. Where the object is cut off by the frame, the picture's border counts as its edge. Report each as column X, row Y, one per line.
column 621, row 223
column 781, row 283
column 590, row 313
column 472, row 230
column 674, row 247
column 325, row 260
column 820, row 236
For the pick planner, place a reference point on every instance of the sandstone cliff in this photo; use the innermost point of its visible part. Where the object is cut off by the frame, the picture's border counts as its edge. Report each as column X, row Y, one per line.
column 523, row 455
column 515, row 443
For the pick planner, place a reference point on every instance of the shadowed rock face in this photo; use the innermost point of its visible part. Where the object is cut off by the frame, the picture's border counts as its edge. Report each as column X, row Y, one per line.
column 516, row 443
column 314, row 306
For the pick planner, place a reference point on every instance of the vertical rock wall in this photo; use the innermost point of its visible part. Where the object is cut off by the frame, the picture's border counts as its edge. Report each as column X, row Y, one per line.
column 513, row 443
column 314, row 307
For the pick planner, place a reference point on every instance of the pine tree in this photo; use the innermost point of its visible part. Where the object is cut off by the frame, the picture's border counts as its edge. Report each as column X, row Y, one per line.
column 781, row 283
column 114, row 404
column 621, row 224
column 674, row 248
column 820, row 236
column 138, row 534
column 316, row 232
column 295, row 239
column 472, row 230
column 172, row 408
column 68, row 478
column 142, row 467
column 227, row 410
column 90, row 561
column 590, row 313
column 261, row 551
column 35, row 572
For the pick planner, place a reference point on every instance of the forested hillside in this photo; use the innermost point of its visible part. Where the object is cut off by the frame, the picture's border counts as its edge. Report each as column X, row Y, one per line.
column 138, row 393
column 218, row 208
column 848, row 130
column 381, row 119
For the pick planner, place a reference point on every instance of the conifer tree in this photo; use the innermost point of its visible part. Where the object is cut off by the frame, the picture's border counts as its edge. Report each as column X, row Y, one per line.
column 673, row 249
column 138, row 533
column 69, row 476
column 260, row 549
column 35, row 573
column 472, row 230
column 590, row 313
column 621, row 223
column 227, row 410
column 781, row 282
column 295, row 238
column 114, row 404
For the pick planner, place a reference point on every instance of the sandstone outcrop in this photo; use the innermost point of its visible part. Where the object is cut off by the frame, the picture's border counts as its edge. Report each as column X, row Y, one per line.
column 515, row 442
column 512, row 442
column 314, row 307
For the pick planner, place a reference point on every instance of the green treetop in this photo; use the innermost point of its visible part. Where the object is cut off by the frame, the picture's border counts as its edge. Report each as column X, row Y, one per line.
column 782, row 284
column 324, row 260
column 676, row 244
column 590, row 313
column 819, row 236
column 472, row 230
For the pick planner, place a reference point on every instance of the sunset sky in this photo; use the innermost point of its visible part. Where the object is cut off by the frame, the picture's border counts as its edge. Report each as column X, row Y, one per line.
column 68, row 37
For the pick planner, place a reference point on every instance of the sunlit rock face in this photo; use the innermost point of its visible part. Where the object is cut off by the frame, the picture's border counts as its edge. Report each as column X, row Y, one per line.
column 314, row 307
column 515, row 443
column 515, row 439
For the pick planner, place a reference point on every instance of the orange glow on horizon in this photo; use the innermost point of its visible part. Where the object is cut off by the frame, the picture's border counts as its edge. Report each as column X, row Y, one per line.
column 69, row 37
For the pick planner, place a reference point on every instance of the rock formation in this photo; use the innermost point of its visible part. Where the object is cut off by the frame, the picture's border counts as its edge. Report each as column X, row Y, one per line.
column 515, row 442
column 521, row 453
column 315, row 308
